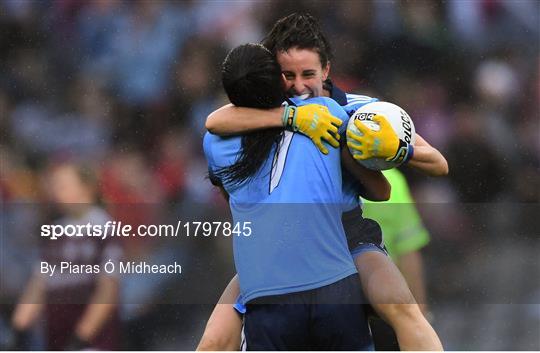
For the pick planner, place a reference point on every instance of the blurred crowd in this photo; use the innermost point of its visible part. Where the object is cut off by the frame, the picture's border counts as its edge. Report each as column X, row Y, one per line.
column 125, row 86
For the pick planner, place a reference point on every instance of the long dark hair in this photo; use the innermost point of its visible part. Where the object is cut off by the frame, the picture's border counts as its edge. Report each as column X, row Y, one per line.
column 298, row 30
column 252, row 78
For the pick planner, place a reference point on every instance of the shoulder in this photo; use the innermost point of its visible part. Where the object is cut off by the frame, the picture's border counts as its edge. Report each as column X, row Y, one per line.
column 356, row 101
column 359, row 98
column 334, row 108
column 327, row 101
column 208, row 141
column 212, row 142
column 221, row 151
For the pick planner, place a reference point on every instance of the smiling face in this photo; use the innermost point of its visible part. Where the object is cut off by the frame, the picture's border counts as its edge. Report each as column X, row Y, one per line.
column 303, row 72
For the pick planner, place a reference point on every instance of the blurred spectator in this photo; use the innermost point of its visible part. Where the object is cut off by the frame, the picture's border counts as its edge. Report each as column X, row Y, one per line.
column 472, row 159
column 149, row 35
column 97, row 26
column 219, row 20
column 79, row 307
column 84, row 124
column 130, row 188
column 197, row 82
column 489, row 23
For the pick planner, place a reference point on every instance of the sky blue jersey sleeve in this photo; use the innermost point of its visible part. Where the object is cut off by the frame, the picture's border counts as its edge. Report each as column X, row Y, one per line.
column 220, row 152
column 356, row 101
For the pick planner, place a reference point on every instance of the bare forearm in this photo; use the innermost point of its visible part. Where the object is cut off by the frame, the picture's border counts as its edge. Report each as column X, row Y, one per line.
column 232, row 120
column 428, row 159
column 376, row 187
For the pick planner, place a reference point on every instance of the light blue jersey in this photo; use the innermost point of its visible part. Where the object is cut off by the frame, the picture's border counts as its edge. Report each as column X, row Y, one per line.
column 350, row 103
column 294, row 204
column 355, row 102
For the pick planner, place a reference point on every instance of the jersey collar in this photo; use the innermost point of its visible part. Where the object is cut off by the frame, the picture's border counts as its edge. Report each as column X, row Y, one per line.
column 335, row 93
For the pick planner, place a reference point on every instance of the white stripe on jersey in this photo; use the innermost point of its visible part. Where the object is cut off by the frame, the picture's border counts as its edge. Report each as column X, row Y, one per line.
column 353, row 99
column 243, row 344
column 280, row 157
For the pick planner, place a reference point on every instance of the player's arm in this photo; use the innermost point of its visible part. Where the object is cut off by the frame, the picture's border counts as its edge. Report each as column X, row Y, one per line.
column 232, row 120
column 385, row 143
column 427, row 159
column 312, row 120
column 375, row 186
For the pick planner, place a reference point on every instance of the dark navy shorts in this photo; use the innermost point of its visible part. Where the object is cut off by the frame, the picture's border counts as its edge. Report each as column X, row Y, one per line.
column 326, row 318
column 363, row 234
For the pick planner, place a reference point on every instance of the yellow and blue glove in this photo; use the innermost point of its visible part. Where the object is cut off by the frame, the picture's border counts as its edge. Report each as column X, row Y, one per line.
column 383, row 143
column 315, row 121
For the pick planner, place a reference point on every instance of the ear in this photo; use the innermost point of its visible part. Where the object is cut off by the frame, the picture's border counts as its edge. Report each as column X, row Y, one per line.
column 326, row 71
column 283, row 81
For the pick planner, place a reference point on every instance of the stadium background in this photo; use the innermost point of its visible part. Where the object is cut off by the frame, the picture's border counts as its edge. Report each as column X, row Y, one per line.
column 126, row 86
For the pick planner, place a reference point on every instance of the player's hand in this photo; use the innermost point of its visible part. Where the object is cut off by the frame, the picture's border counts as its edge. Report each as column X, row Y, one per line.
column 379, row 144
column 314, row 121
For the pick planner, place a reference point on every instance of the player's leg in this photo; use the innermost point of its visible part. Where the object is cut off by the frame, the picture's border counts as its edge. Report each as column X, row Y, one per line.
column 388, row 293
column 384, row 336
column 223, row 330
column 384, row 286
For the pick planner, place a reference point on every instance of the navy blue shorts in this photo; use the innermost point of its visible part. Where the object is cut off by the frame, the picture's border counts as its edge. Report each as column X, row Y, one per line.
column 326, row 318
column 363, row 234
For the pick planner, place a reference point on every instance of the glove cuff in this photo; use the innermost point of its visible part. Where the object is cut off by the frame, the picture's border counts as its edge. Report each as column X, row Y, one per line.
column 410, row 153
column 289, row 117
column 404, row 153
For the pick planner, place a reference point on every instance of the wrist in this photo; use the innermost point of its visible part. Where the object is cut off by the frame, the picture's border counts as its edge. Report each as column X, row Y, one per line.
column 410, row 154
column 289, row 116
column 402, row 153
